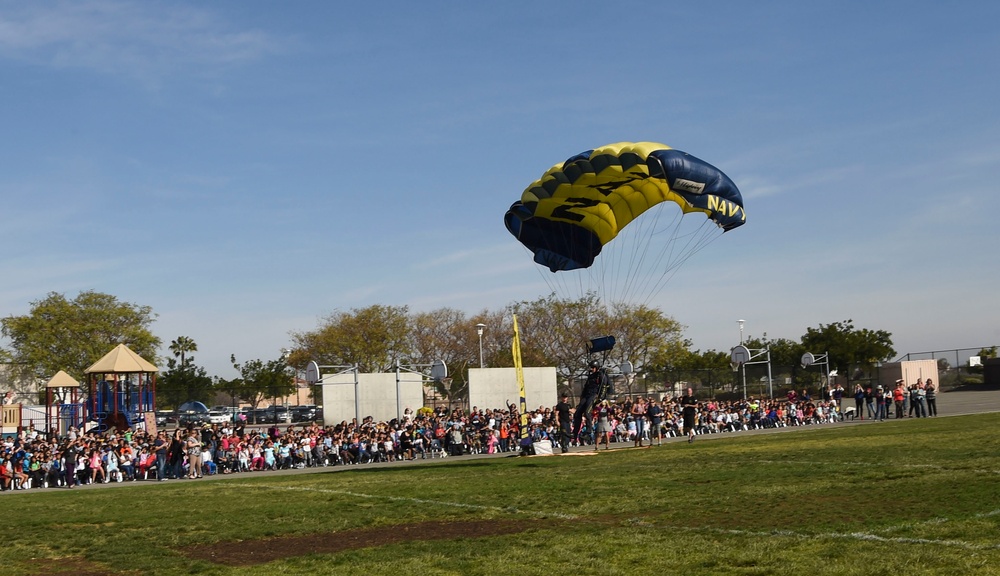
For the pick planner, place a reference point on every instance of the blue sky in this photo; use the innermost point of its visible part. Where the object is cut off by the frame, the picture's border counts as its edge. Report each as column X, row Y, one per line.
column 248, row 168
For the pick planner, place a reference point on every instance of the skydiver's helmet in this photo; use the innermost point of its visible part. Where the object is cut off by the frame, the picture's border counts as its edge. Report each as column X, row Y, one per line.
column 595, row 364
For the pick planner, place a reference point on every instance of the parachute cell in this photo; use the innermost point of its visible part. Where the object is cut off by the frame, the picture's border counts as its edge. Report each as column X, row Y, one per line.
column 570, row 214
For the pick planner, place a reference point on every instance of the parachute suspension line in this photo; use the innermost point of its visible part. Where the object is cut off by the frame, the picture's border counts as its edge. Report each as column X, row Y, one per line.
column 664, row 259
column 647, row 246
column 695, row 241
column 637, row 265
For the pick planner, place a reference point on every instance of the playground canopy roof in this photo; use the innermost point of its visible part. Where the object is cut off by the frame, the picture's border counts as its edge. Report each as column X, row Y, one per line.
column 121, row 360
column 62, row 380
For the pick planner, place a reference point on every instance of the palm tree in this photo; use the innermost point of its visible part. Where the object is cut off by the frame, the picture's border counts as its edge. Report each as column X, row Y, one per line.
column 181, row 346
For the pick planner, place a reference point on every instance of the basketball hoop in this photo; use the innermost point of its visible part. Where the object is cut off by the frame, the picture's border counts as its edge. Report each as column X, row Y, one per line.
column 738, row 356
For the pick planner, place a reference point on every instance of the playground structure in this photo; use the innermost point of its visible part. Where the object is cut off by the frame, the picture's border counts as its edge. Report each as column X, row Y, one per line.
column 63, row 407
column 120, row 390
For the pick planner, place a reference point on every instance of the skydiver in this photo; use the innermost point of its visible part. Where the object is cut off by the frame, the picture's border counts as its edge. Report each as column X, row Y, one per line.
column 595, row 388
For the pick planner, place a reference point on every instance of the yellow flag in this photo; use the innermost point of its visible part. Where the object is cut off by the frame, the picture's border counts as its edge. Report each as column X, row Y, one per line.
column 516, row 350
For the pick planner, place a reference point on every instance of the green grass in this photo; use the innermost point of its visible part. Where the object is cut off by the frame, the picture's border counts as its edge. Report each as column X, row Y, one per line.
column 916, row 496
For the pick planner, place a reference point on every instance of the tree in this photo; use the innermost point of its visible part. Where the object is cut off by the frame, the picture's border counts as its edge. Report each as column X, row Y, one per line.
column 177, row 385
column 645, row 337
column 259, row 380
column 183, row 380
column 710, row 369
column 786, row 358
column 556, row 331
column 181, row 346
column 61, row 334
column 848, row 347
column 448, row 335
column 374, row 338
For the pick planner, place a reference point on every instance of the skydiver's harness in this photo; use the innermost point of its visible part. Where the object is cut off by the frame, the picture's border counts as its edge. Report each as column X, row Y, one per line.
column 604, row 386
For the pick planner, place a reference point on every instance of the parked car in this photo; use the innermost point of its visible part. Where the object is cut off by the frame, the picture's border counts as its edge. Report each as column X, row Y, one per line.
column 261, row 416
column 282, row 413
column 196, row 418
column 216, row 417
column 304, row 413
column 192, row 412
column 164, row 417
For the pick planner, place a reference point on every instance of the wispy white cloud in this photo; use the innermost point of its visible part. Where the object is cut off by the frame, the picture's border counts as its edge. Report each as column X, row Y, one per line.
column 142, row 40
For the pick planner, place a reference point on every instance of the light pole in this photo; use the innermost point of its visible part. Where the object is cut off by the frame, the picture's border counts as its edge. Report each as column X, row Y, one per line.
column 741, row 330
column 479, row 330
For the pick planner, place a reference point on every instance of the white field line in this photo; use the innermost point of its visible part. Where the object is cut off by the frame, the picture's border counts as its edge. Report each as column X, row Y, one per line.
column 934, row 521
column 868, row 464
column 860, row 536
column 505, row 510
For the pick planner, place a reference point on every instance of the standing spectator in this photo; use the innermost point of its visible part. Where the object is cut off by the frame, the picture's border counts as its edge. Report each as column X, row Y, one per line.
column 71, row 452
column 96, row 467
column 161, row 447
column 915, row 400
column 899, row 398
column 870, row 402
column 603, row 426
column 859, row 400
column 193, row 446
column 639, row 414
column 880, row 409
column 655, row 415
column 175, row 455
column 564, row 423
column 690, row 406
column 922, row 398
column 931, row 396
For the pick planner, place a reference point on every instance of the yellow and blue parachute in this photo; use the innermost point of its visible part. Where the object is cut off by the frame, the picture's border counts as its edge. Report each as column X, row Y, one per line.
column 570, row 214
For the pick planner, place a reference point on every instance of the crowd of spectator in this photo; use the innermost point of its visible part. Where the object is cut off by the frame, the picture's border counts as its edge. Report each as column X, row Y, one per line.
column 31, row 459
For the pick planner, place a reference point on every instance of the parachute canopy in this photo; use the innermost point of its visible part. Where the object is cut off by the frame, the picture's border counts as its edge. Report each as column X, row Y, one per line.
column 576, row 208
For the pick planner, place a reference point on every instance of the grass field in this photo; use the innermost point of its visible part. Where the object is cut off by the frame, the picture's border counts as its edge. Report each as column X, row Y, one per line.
column 915, row 496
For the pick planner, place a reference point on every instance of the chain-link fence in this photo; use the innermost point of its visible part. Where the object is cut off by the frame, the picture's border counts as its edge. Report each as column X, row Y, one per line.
column 760, row 380
column 955, row 367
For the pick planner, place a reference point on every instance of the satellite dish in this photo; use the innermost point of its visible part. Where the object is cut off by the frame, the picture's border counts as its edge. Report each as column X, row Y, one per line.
column 626, row 367
column 807, row 359
column 439, row 371
column 312, row 372
column 739, row 355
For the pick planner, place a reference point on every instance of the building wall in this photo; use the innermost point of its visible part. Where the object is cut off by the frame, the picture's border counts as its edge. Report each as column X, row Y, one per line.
column 376, row 395
column 497, row 387
column 488, row 388
column 909, row 371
